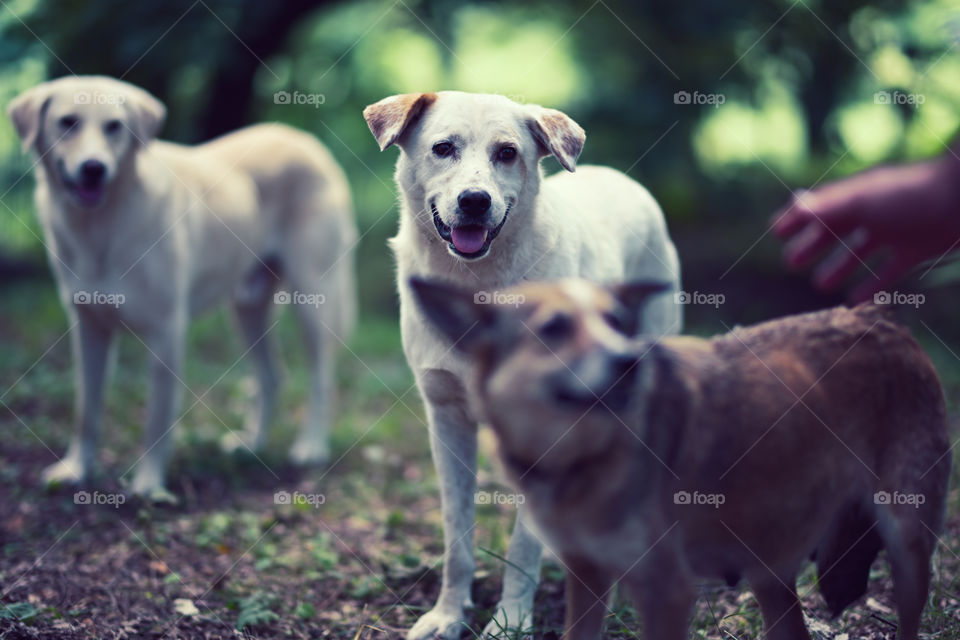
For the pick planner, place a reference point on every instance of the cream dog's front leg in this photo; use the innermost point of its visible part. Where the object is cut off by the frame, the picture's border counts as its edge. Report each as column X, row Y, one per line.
column 90, row 341
column 166, row 361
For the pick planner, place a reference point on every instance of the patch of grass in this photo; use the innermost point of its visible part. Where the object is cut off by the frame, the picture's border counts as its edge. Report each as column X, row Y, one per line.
column 364, row 563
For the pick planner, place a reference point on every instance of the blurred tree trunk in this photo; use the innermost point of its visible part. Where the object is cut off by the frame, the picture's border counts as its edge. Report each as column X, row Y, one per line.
column 261, row 32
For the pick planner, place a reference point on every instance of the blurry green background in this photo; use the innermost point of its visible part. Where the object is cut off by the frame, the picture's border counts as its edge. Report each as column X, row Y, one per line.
column 798, row 81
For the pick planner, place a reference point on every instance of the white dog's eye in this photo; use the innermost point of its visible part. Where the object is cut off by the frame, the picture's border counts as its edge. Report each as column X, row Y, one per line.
column 443, row 149
column 113, row 126
column 507, row 154
column 68, row 122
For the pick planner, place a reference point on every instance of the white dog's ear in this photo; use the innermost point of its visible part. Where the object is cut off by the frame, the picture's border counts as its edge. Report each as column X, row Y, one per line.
column 468, row 322
column 558, row 135
column 147, row 114
column 389, row 118
column 26, row 112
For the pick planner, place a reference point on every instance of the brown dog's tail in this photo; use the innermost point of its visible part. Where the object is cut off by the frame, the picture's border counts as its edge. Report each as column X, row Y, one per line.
column 844, row 557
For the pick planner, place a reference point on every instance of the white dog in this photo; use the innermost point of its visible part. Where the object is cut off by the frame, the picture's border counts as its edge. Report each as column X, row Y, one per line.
column 477, row 212
column 142, row 235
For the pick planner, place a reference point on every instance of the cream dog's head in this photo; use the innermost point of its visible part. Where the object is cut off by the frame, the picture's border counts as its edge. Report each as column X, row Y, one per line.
column 552, row 360
column 83, row 128
column 469, row 160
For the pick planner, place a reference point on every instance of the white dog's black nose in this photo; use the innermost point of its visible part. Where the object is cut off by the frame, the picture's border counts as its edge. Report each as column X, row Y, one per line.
column 92, row 171
column 474, row 202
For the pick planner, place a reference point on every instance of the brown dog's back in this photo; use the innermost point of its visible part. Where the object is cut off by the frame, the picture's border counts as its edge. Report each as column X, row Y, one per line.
column 814, row 427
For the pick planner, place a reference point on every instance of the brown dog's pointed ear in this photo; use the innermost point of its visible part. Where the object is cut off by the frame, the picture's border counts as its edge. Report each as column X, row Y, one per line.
column 558, row 135
column 147, row 114
column 389, row 118
column 466, row 318
column 634, row 296
column 26, row 112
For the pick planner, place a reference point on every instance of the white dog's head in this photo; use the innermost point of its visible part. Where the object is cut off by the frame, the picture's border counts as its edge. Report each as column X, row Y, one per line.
column 83, row 128
column 469, row 159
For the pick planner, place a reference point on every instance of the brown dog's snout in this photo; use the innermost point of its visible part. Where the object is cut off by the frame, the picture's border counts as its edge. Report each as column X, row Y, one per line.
column 474, row 202
column 601, row 379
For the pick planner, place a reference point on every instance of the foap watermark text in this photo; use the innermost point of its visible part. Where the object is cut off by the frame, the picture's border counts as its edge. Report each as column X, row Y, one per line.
column 99, row 499
column 896, row 497
column 697, row 98
column 896, row 297
column 699, row 499
column 499, row 297
column 496, row 497
column 899, row 97
column 299, row 297
column 98, row 97
column 99, row 298
column 298, row 498
column 299, row 98
column 696, row 297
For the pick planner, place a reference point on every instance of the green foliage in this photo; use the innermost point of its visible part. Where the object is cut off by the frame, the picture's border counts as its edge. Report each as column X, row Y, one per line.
column 256, row 610
column 799, row 83
column 23, row 611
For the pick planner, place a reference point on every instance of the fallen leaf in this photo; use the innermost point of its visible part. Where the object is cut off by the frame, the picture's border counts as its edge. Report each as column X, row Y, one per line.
column 185, row 607
column 876, row 606
column 160, row 567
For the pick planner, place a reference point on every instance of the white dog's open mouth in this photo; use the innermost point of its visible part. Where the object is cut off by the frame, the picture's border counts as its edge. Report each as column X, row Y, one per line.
column 87, row 192
column 470, row 241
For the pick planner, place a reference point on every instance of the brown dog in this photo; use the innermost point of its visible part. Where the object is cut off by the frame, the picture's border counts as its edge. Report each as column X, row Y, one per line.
column 656, row 462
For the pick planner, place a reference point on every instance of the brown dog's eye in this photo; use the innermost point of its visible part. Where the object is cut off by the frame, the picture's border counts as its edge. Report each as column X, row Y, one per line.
column 112, row 126
column 68, row 122
column 442, row 149
column 614, row 321
column 556, row 328
column 507, row 154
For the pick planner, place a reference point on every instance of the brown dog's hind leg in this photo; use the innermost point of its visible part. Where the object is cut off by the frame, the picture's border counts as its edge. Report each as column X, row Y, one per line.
column 909, row 545
column 665, row 596
column 782, row 613
column 587, row 588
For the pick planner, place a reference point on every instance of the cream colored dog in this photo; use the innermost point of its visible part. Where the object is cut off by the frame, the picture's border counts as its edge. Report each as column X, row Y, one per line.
column 658, row 462
column 143, row 235
column 476, row 211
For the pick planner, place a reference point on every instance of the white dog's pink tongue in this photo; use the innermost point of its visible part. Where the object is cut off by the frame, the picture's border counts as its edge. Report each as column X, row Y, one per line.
column 89, row 195
column 469, row 238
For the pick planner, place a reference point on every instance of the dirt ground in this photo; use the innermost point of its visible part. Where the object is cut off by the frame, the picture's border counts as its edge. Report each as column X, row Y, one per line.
column 358, row 559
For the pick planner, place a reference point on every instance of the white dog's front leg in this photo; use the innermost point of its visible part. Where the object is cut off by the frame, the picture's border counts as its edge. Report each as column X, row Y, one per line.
column 166, row 359
column 514, row 614
column 90, row 342
column 453, row 442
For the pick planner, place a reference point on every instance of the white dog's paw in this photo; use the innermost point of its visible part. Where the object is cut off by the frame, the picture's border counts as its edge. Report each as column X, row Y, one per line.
column 239, row 442
column 440, row 624
column 148, row 484
column 310, row 451
column 69, row 471
column 511, row 621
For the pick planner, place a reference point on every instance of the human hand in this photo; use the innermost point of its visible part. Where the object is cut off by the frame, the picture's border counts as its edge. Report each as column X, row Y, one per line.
column 907, row 213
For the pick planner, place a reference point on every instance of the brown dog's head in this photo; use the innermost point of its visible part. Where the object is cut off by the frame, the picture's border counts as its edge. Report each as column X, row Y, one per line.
column 550, row 358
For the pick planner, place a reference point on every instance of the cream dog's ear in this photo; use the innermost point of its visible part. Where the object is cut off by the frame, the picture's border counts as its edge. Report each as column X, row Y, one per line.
column 389, row 118
column 558, row 135
column 26, row 112
column 147, row 113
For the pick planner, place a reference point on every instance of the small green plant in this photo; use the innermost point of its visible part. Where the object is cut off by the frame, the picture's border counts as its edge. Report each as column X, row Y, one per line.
column 256, row 609
column 22, row 611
